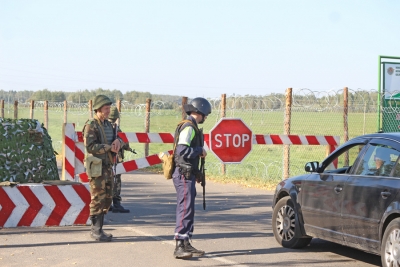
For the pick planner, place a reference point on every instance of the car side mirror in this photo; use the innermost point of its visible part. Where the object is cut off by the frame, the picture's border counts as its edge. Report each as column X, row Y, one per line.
column 311, row 166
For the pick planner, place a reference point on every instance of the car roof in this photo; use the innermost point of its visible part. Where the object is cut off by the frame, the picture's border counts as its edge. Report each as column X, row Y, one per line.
column 392, row 135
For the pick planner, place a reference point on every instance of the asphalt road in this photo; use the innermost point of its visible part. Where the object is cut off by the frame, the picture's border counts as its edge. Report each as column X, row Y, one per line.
column 235, row 230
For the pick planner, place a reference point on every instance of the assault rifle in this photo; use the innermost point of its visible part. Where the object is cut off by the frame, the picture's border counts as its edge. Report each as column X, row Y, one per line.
column 203, row 181
column 131, row 150
column 115, row 157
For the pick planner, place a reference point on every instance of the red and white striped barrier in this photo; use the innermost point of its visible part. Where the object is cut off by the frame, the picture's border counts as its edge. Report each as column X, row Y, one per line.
column 38, row 205
column 74, row 169
column 282, row 139
column 132, row 165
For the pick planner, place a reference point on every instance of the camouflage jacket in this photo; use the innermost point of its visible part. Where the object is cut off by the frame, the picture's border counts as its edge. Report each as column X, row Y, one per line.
column 93, row 140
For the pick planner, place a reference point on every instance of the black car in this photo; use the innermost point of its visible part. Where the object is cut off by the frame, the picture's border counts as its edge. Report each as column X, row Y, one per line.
column 351, row 198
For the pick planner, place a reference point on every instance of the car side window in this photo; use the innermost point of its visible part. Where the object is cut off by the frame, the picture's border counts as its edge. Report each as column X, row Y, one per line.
column 379, row 160
column 345, row 159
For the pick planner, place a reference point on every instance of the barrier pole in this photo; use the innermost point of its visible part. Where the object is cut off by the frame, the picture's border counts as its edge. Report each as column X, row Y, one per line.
column 287, row 121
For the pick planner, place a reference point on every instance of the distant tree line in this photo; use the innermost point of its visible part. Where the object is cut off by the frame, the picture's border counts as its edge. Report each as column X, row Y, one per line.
column 271, row 101
column 83, row 96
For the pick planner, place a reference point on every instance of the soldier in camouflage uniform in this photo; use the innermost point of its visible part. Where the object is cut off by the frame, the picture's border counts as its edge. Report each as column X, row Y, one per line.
column 100, row 141
column 117, row 207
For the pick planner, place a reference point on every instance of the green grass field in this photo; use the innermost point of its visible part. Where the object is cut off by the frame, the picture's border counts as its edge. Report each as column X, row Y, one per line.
column 263, row 167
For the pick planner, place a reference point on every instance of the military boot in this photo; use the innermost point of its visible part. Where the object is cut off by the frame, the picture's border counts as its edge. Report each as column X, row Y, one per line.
column 180, row 252
column 191, row 249
column 102, row 223
column 117, row 206
column 96, row 231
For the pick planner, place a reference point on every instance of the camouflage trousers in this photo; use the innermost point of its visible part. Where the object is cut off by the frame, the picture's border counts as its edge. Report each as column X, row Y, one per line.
column 101, row 192
column 117, row 187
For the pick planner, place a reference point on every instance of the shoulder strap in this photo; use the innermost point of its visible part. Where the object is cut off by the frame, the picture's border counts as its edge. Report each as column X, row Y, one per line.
column 188, row 121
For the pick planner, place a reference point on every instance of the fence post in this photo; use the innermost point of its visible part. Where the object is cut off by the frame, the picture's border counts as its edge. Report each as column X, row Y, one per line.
column 365, row 111
column 32, row 109
column 15, row 109
column 90, row 109
column 184, row 102
column 46, row 114
column 345, row 122
column 287, row 122
column 2, row 108
column 223, row 115
column 118, row 121
column 147, row 125
column 65, row 111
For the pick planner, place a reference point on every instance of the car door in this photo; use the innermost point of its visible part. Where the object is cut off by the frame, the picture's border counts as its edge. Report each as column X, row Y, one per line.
column 368, row 194
column 321, row 193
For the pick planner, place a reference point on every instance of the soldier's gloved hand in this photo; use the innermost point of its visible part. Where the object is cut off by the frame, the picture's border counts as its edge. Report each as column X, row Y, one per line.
column 115, row 146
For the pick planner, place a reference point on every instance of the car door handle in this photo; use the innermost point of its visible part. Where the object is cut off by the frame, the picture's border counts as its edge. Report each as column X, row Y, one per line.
column 385, row 194
column 338, row 189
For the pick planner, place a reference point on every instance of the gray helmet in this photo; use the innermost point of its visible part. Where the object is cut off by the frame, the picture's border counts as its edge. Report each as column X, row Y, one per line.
column 101, row 100
column 114, row 114
column 198, row 105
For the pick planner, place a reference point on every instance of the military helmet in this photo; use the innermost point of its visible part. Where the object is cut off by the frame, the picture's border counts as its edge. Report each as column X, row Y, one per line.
column 198, row 105
column 114, row 114
column 101, row 100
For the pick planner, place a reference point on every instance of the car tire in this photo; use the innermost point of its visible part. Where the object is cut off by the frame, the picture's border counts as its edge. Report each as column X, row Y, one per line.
column 284, row 224
column 390, row 247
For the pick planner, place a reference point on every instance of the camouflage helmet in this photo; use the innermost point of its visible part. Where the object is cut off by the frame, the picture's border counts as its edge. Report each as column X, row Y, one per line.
column 101, row 100
column 114, row 114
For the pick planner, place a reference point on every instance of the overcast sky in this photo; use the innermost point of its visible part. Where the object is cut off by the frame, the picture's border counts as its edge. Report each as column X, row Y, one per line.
column 195, row 48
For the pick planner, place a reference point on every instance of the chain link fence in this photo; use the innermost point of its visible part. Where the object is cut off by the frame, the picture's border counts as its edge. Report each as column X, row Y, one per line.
column 312, row 113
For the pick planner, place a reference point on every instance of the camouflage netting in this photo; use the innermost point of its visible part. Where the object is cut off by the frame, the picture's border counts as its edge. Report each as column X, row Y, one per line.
column 26, row 152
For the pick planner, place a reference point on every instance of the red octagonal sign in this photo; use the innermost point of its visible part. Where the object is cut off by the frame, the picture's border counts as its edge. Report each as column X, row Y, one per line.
column 231, row 140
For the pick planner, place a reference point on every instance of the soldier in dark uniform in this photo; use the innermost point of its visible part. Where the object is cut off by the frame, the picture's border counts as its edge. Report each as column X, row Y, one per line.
column 117, row 207
column 100, row 141
column 187, row 155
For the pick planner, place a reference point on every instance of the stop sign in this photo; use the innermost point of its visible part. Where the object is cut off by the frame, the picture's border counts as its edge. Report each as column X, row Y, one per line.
column 231, row 140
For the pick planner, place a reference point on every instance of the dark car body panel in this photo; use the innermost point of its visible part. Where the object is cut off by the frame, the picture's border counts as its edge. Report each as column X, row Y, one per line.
column 340, row 206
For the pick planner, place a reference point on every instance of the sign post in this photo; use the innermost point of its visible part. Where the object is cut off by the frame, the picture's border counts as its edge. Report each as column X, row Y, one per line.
column 231, row 140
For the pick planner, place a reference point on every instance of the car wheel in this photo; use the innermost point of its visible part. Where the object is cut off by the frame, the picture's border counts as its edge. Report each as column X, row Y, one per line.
column 390, row 247
column 284, row 225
